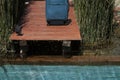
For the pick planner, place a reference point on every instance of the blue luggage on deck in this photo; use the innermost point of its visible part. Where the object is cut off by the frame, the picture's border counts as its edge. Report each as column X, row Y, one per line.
column 57, row 10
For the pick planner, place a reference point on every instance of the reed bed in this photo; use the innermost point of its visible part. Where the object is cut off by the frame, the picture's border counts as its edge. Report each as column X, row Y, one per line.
column 95, row 19
column 10, row 12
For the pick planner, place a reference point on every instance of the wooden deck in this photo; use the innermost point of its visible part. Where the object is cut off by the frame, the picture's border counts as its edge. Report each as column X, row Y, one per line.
column 60, row 60
column 36, row 28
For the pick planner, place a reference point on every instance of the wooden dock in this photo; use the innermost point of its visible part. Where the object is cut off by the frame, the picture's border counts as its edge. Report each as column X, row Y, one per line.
column 60, row 60
column 36, row 28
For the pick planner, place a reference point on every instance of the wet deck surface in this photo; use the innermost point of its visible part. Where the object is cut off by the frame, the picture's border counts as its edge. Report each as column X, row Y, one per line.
column 36, row 28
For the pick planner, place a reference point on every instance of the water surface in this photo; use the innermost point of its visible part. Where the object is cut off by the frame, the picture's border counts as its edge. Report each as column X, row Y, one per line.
column 34, row 72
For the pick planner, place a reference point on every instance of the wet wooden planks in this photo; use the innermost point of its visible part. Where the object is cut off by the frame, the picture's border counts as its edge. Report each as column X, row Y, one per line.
column 36, row 28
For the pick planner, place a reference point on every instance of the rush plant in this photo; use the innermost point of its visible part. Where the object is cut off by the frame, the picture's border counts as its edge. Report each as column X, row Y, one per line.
column 10, row 12
column 95, row 20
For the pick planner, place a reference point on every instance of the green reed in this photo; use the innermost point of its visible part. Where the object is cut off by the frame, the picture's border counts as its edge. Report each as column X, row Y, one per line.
column 10, row 12
column 95, row 19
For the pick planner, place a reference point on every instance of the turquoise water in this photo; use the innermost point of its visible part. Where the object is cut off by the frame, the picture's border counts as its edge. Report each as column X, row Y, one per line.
column 34, row 72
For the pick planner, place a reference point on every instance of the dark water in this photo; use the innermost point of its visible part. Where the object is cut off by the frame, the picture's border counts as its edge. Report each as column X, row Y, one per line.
column 34, row 72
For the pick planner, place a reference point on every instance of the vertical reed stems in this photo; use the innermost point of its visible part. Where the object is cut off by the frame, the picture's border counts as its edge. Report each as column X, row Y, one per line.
column 95, row 19
column 10, row 12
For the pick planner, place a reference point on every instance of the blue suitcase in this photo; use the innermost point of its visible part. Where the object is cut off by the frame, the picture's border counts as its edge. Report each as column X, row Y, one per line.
column 57, row 10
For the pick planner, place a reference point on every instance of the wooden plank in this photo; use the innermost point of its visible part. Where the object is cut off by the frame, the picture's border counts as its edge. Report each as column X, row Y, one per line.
column 36, row 28
column 75, row 60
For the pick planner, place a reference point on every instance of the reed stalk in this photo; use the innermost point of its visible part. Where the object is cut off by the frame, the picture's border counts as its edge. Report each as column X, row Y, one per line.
column 10, row 12
column 95, row 20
